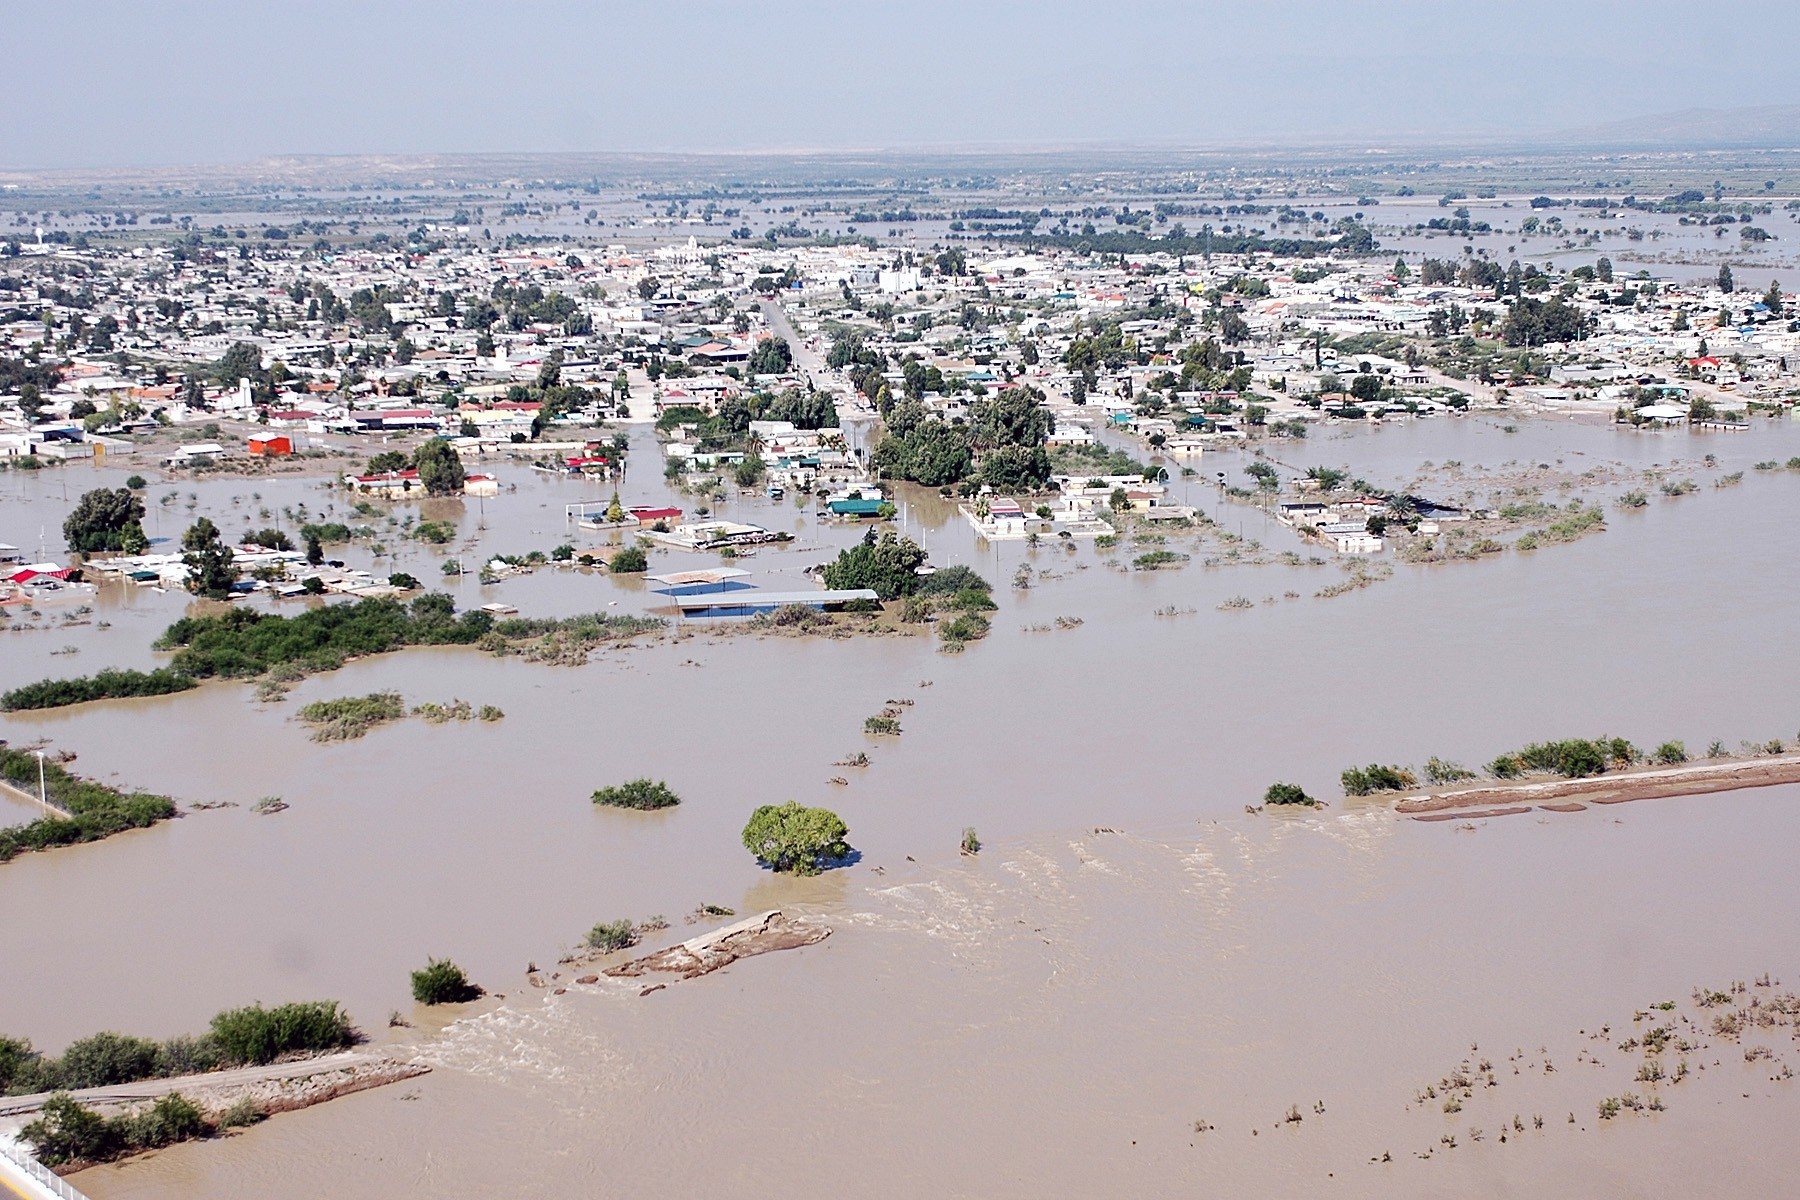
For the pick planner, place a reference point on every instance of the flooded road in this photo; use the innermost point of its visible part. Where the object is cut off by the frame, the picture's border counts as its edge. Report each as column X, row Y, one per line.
column 1028, row 1013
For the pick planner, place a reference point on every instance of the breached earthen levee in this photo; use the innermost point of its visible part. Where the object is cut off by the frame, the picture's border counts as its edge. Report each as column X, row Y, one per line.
column 761, row 934
column 1617, row 788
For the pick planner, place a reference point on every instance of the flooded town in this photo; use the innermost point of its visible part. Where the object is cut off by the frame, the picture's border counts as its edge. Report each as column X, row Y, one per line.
column 673, row 673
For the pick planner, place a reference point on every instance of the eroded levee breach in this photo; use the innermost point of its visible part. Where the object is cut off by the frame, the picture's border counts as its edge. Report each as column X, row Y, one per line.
column 761, row 934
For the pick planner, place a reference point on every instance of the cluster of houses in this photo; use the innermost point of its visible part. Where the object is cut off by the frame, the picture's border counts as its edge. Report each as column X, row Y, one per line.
column 283, row 573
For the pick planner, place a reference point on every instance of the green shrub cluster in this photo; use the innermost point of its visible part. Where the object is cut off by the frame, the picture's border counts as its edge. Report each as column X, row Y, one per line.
column 68, row 1131
column 963, row 627
column 1440, row 770
column 96, row 810
column 441, row 981
column 326, row 531
column 435, row 532
column 257, row 1035
column 1287, row 793
column 638, row 793
column 1363, row 781
column 631, row 560
column 565, row 640
column 351, row 716
column 1572, row 758
column 102, row 685
column 1670, row 754
column 245, row 642
column 608, row 936
column 237, row 1037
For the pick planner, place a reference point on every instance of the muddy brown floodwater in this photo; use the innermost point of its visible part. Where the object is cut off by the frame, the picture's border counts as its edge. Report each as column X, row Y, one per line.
column 1050, row 1017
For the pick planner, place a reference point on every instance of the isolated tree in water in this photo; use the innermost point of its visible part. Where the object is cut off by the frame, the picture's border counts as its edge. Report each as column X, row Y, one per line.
column 791, row 837
column 208, row 560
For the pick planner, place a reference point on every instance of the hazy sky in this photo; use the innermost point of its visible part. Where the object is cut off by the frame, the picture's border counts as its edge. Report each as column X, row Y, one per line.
column 162, row 81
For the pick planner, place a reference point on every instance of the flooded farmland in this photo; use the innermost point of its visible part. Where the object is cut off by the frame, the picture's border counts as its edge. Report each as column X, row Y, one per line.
column 1055, row 1015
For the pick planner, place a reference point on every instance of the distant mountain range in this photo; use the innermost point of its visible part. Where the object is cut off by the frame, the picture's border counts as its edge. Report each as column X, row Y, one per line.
column 1762, row 128
column 1765, row 126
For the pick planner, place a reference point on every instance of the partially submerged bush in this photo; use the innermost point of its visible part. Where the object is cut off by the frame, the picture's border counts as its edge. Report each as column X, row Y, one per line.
column 628, row 561
column 441, row 981
column 351, row 716
column 1439, row 770
column 1363, row 781
column 102, row 685
column 962, row 628
column 97, row 810
column 1287, row 793
column 608, row 936
column 638, row 793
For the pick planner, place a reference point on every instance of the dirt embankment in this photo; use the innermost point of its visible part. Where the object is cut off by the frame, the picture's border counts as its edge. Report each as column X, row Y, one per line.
column 291, row 1094
column 1561, row 795
column 761, row 934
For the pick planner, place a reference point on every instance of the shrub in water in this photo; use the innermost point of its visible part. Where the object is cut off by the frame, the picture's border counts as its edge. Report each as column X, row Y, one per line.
column 639, row 794
column 1286, row 793
column 441, row 981
column 612, row 935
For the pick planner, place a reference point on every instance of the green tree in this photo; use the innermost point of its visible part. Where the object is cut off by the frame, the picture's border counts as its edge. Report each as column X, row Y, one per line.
column 1772, row 297
column 106, row 519
column 386, row 461
column 31, row 402
column 440, row 470
column 791, row 837
column 750, row 470
column 1603, row 270
column 68, row 1131
column 550, row 372
column 315, row 550
column 208, row 561
column 1366, row 388
column 772, row 356
column 1726, row 284
column 243, row 360
column 888, row 563
column 631, row 560
column 106, row 1059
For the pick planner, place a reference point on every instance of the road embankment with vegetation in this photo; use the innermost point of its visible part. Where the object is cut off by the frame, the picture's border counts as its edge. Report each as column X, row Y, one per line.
column 1687, row 779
